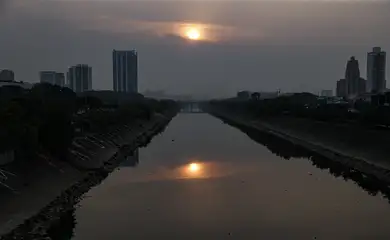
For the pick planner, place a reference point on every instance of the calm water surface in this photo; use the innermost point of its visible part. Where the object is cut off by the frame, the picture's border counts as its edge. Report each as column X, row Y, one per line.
column 235, row 188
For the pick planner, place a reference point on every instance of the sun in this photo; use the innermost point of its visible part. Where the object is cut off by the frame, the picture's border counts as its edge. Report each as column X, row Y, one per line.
column 193, row 34
column 193, row 167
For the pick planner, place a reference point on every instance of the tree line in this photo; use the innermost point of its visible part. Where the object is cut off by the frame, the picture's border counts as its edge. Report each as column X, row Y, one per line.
column 45, row 118
column 307, row 105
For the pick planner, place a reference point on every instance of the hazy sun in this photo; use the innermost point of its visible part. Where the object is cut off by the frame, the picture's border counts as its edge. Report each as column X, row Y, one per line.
column 193, row 167
column 193, row 34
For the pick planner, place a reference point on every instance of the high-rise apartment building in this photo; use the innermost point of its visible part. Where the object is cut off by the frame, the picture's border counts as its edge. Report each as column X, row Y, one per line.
column 80, row 78
column 355, row 84
column 376, row 70
column 352, row 75
column 352, row 85
column 341, row 89
column 362, row 85
column 47, row 77
column 52, row 77
column 125, row 71
column 59, row 79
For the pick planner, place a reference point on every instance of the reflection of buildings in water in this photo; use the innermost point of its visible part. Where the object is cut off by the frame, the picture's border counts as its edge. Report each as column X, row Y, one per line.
column 288, row 150
column 131, row 160
column 63, row 228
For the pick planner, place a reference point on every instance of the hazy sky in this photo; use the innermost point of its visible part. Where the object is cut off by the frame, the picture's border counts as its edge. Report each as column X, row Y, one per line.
column 254, row 45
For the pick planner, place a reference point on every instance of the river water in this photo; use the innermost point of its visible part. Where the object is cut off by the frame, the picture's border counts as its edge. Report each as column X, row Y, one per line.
column 203, row 179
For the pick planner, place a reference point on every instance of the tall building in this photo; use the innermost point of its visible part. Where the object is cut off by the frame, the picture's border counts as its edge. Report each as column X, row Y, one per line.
column 376, row 70
column 125, row 71
column 47, row 77
column 341, row 89
column 352, row 76
column 80, row 78
column 7, row 75
column 60, row 79
column 362, row 86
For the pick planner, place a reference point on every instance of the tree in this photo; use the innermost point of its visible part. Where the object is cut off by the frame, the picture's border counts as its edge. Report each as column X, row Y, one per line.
column 255, row 96
column 243, row 95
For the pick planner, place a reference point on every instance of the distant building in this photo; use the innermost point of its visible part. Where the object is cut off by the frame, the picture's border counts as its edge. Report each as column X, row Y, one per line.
column 376, row 70
column 341, row 89
column 80, row 78
column 162, row 95
column 52, row 77
column 261, row 95
column 354, row 81
column 47, row 77
column 125, row 71
column 60, row 79
column 7, row 75
column 7, row 78
column 362, row 86
column 327, row 93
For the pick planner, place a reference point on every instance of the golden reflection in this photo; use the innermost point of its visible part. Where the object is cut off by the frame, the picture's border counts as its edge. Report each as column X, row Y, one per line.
column 197, row 169
column 194, row 170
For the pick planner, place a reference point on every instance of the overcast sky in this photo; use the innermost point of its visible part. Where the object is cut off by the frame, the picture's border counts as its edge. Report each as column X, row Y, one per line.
column 256, row 45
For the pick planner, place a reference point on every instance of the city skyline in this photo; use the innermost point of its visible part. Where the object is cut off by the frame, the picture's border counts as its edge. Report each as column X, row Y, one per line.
column 245, row 45
column 353, row 85
column 125, row 75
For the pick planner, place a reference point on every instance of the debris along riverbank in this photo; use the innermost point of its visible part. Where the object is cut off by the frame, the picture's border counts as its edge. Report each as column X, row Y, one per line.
column 35, row 227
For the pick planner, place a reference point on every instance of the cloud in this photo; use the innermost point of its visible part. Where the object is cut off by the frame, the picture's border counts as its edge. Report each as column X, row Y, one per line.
column 250, row 22
column 133, row 17
column 134, row 28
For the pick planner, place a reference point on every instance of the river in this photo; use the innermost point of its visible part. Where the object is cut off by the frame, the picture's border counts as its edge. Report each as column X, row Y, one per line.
column 203, row 179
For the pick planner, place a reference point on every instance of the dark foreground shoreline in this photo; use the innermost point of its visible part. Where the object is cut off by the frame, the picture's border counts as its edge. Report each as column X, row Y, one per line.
column 36, row 227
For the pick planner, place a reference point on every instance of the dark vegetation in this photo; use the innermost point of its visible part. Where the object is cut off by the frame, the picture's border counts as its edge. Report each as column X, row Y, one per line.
column 46, row 118
column 306, row 105
column 63, row 228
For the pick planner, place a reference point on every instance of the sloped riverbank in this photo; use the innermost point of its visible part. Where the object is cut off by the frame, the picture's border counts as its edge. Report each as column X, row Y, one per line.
column 241, row 190
column 317, row 143
column 27, row 214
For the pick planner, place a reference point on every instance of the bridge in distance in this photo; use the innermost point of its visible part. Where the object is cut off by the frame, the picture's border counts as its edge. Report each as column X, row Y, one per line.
column 190, row 107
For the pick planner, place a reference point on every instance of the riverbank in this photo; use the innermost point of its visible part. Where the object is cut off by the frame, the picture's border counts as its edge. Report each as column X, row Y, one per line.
column 33, row 205
column 355, row 149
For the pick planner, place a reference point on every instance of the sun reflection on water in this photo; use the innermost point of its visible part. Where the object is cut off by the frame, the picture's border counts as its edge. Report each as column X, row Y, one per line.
column 194, row 170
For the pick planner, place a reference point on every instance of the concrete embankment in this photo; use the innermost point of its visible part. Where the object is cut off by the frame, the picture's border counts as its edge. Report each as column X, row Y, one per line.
column 27, row 213
column 351, row 146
